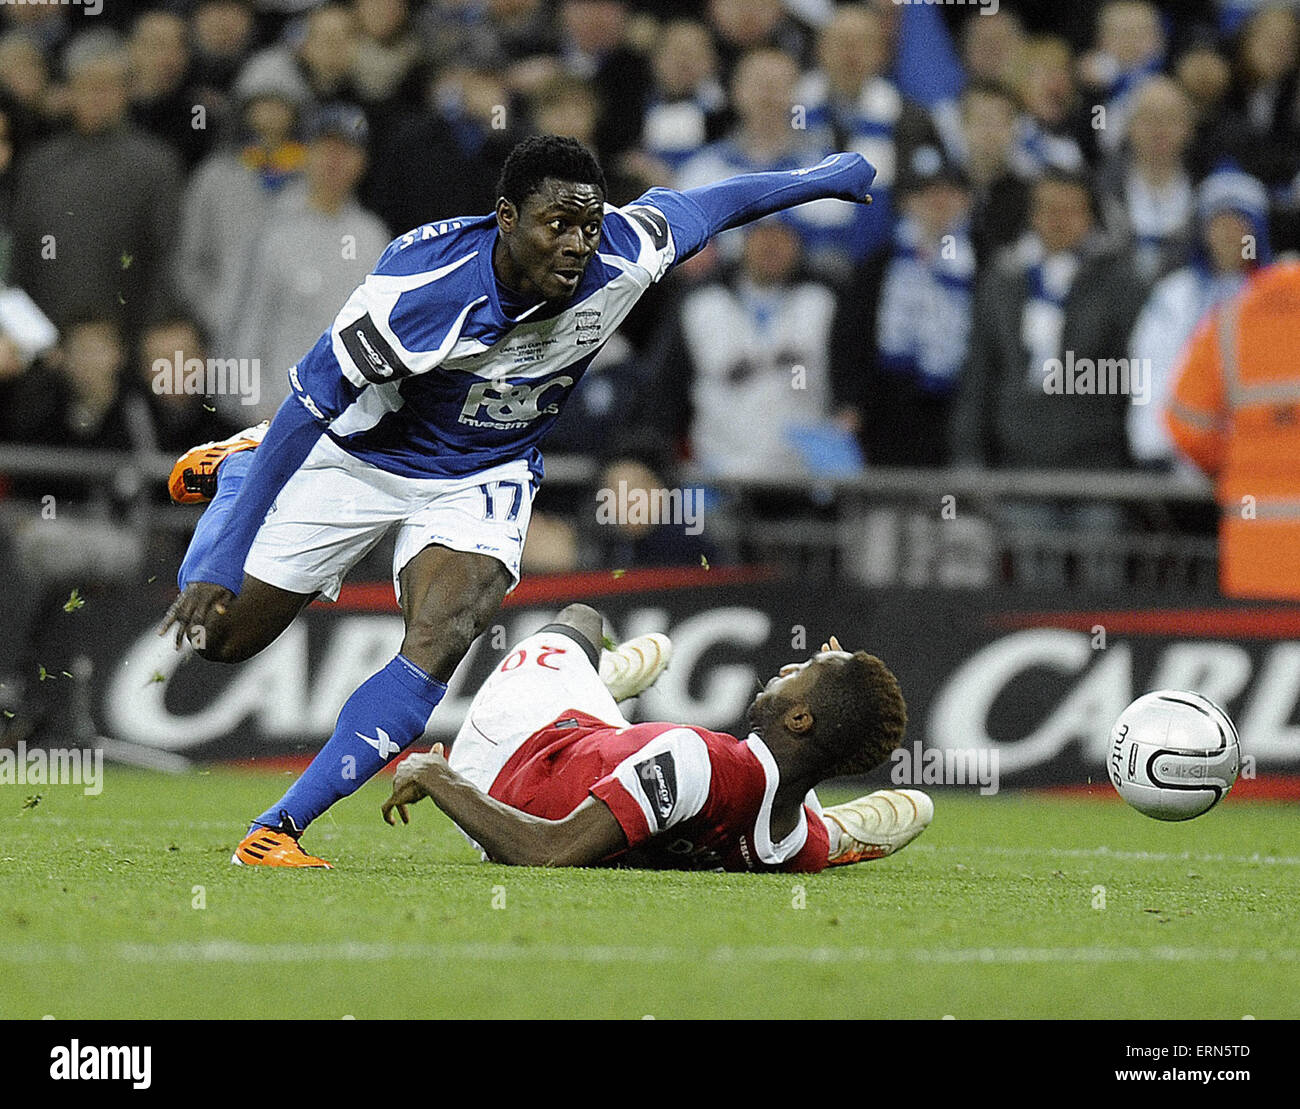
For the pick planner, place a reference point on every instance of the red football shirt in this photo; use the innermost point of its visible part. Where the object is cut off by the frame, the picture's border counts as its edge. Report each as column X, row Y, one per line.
column 686, row 798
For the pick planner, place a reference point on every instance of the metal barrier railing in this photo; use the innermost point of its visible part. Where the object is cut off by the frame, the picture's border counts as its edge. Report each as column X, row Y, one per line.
column 884, row 526
column 97, row 467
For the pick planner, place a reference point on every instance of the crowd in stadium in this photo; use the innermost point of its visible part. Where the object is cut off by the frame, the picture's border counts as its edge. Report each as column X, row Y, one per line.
column 210, row 178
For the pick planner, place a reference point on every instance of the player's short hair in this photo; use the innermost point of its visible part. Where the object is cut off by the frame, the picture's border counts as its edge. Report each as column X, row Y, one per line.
column 542, row 156
column 859, row 714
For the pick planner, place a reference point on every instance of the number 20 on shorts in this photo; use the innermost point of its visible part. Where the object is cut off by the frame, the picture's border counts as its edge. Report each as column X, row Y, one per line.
column 518, row 658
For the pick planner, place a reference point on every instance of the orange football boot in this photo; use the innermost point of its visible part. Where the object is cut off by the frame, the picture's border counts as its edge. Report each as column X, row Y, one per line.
column 193, row 479
column 272, row 847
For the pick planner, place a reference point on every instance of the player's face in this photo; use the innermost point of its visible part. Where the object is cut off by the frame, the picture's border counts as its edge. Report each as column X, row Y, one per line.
column 793, row 681
column 551, row 238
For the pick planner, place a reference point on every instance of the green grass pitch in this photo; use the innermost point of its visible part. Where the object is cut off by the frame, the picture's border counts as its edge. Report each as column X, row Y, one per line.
column 126, row 905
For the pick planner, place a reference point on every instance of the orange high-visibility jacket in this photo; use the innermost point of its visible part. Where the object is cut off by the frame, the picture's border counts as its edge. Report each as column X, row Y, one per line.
column 1235, row 412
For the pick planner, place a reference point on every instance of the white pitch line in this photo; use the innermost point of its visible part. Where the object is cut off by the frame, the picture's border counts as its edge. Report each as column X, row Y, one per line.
column 238, row 952
column 1101, row 852
column 235, row 826
column 1104, row 852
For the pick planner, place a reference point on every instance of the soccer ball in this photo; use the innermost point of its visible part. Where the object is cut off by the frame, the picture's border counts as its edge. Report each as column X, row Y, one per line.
column 1173, row 754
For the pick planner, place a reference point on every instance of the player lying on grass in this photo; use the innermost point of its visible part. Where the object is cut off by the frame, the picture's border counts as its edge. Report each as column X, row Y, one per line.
column 546, row 771
column 421, row 409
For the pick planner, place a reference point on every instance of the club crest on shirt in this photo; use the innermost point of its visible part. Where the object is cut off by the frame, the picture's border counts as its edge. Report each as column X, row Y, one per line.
column 658, row 778
column 587, row 324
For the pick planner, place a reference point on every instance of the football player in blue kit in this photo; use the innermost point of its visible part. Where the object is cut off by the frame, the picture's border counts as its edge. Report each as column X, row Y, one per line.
column 421, row 409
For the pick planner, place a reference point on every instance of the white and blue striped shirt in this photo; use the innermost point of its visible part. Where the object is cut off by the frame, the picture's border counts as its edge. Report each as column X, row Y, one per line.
column 425, row 372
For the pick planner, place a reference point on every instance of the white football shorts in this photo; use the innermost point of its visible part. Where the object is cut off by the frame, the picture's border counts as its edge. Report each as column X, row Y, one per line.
column 335, row 508
column 543, row 677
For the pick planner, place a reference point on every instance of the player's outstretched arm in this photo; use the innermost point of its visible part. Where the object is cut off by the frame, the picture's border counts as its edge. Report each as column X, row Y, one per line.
column 696, row 215
column 586, row 836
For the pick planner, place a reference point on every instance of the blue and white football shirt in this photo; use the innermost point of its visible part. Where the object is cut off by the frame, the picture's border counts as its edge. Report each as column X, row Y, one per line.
column 426, row 373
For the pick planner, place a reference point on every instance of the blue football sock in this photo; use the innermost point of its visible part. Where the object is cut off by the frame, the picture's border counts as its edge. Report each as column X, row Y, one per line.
column 383, row 717
column 230, row 477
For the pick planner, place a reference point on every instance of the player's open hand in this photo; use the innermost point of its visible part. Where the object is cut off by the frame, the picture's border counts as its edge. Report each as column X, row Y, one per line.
column 201, row 601
column 407, row 788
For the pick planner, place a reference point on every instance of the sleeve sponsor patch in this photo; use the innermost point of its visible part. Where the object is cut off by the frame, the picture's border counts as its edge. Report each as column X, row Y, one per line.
column 652, row 223
column 371, row 353
column 661, row 785
column 657, row 777
column 655, row 249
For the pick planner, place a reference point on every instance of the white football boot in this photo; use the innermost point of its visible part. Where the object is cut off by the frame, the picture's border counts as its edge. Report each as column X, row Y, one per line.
column 877, row 825
column 634, row 666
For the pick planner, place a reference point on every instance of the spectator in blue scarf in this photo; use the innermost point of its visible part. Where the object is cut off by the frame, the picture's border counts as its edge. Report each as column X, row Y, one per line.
column 889, row 361
column 1128, row 48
